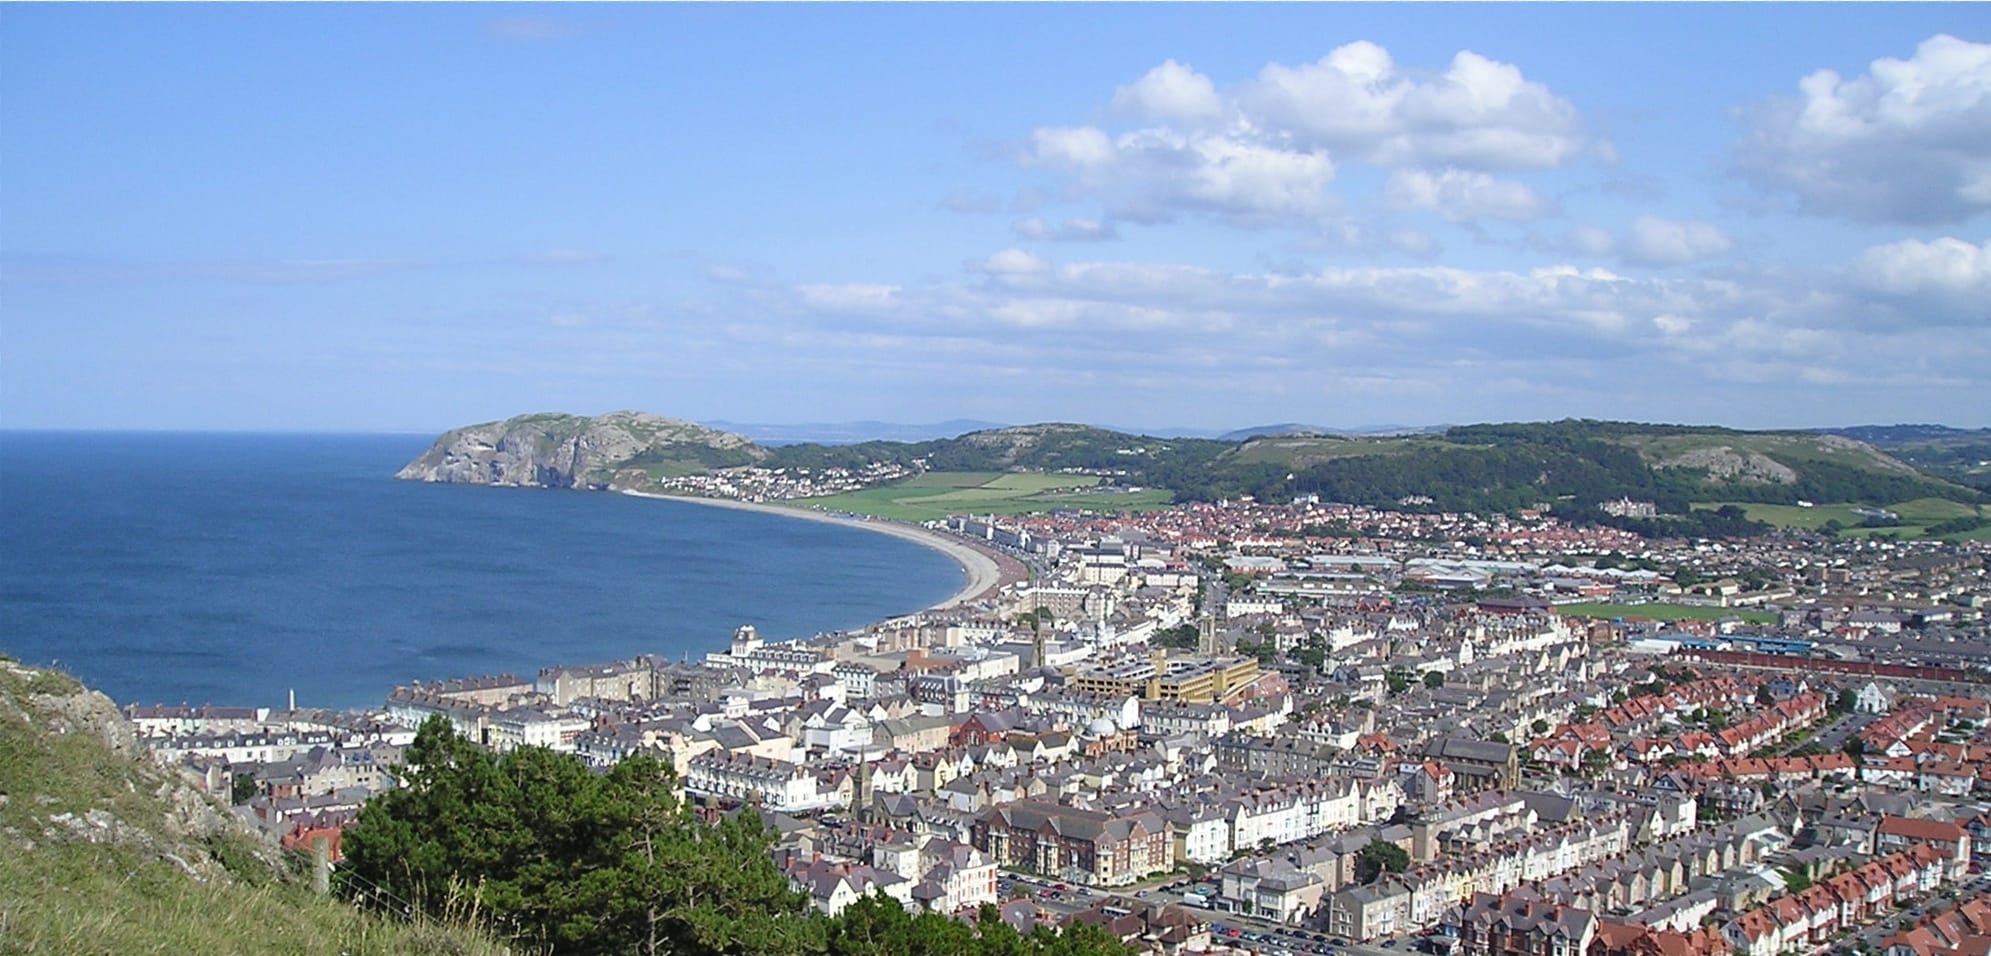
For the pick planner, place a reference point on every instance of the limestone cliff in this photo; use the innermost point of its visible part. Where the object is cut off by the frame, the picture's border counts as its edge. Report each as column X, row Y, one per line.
column 572, row 451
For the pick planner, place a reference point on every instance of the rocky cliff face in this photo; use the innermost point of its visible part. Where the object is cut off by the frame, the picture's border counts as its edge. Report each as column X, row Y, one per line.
column 571, row 451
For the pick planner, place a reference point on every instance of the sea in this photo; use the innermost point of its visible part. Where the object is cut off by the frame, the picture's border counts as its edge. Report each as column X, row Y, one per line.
column 238, row 569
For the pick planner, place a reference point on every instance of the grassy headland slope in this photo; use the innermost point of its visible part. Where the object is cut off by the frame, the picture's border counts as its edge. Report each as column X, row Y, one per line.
column 104, row 851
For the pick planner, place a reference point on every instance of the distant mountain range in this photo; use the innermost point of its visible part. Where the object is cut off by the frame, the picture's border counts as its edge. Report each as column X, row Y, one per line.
column 1570, row 465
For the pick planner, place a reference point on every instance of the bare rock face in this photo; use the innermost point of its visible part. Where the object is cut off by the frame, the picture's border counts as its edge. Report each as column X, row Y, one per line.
column 570, row 451
column 1726, row 464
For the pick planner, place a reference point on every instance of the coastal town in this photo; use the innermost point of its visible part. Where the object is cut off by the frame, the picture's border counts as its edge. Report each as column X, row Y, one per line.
column 1301, row 727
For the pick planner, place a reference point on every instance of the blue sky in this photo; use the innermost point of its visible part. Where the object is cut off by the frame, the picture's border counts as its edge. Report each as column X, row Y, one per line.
column 409, row 217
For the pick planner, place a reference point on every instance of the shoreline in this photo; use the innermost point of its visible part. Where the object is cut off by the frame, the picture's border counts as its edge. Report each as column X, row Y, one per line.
column 984, row 570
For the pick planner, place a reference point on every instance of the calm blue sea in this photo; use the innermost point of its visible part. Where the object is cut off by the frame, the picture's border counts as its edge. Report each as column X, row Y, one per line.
column 230, row 569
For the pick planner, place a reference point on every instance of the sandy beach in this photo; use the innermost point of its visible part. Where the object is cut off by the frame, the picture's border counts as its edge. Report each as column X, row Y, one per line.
column 986, row 571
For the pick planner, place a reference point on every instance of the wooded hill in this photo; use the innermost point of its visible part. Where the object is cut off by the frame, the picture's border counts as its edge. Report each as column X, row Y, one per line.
column 1572, row 465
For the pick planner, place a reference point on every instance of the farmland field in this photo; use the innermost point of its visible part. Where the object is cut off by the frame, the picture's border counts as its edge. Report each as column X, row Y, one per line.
column 1664, row 612
column 937, row 494
column 1916, row 517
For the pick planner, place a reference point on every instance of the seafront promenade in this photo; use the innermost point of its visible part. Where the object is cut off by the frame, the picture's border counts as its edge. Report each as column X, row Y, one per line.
column 988, row 570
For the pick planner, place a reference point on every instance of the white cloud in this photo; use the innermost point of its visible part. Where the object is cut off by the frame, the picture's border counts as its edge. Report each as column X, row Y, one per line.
column 1012, row 262
column 1257, row 180
column 1942, row 282
column 1463, row 195
column 1141, row 330
column 850, row 296
column 1672, row 242
column 1173, row 93
column 1148, row 174
column 1479, row 113
column 1943, row 266
column 1266, row 149
column 1908, row 142
column 1077, row 147
column 1071, row 230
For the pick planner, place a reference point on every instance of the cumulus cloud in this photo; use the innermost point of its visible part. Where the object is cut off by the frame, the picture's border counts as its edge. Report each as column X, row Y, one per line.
column 1171, row 93
column 1148, row 174
column 1672, row 242
column 1943, row 281
column 1479, row 113
column 1943, row 265
column 1909, row 141
column 1463, row 195
column 1267, row 148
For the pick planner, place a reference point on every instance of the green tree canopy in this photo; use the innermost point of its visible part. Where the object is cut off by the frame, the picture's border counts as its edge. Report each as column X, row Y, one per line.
column 1380, row 857
column 557, row 857
column 563, row 860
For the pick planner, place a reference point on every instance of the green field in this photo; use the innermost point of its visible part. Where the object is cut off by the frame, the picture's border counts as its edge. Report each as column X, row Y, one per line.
column 1664, row 612
column 937, row 494
column 1916, row 517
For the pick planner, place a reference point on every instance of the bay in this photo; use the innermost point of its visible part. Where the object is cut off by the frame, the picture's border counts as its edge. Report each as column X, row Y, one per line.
column 234, row 568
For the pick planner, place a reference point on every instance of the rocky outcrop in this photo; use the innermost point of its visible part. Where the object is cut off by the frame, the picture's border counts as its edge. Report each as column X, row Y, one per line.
column 1728, row 465
column 80, row 775
column 572, row 451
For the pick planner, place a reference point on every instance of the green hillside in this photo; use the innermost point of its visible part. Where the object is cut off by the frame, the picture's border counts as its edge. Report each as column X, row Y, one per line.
column 1568, row 466
column 103, row 851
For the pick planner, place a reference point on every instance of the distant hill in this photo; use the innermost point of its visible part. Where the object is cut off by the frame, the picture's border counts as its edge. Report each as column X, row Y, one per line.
column 1569, row 465
column 1962, row 455
column 850, row 433
column 1260, row 431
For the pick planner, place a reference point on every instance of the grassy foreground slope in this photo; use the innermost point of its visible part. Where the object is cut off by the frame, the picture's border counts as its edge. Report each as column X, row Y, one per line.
column 103, row 851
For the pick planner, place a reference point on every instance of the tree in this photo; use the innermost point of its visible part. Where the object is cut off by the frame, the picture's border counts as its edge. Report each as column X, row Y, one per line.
column 1764, row 696
column 1434, row 679
column 243, row 788
column 1845, row 701
column 1398, row 680
column 1540, row 726
column 1181, row 636
column 1380, row 857
column 562, row 859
